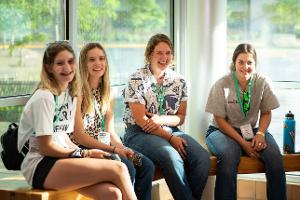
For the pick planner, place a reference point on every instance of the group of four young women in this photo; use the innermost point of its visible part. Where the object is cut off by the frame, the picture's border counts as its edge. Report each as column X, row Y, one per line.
column 63, row 119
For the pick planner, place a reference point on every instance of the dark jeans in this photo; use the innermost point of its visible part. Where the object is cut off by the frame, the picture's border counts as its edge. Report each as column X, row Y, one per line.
column 228, row 153
column 141, row 177
column 186, row 178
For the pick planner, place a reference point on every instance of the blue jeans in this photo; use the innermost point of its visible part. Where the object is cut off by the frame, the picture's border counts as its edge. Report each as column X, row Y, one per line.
column 186, row 178
column 228, row 153
column 141, row 177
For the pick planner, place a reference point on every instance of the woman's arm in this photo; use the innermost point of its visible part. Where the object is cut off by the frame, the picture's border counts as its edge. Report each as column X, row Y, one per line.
column 264, row 121
column 139, row 113
column 228, row 130
column 48, row 148
column 259, row 141
column 79, row 133
column 110, row 124
column 170, row 120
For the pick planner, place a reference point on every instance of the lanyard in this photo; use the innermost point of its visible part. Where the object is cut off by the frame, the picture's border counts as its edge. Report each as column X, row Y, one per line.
column 96, row 107
column 245, row 104
column 58, row 112
column 160, row 92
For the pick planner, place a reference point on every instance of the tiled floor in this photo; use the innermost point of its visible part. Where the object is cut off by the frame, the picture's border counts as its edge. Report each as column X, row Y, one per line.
column 254, row 187
column 250, row 187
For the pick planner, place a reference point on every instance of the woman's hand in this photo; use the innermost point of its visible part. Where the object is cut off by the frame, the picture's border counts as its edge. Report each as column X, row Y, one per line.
column 155, row 118
column 124, row 151
column 259, row 142
column 97, row 153
column 150, row 125
column 250, row 151
column 179, row 144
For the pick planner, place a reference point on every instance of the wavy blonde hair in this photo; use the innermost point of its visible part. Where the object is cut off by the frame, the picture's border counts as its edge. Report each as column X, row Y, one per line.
column 47, row 79
column 104, row 83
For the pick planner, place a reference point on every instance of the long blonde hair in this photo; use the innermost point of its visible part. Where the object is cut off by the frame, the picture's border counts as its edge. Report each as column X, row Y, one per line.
column 104, row 83
column 47, row 79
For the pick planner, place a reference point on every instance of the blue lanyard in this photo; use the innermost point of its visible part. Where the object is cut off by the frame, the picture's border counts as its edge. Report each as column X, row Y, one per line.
column 160, row 92
column 246, row 103
column 57, row 112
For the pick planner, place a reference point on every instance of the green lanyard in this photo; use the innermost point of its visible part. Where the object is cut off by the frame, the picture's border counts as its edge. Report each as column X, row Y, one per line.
column 57, row 112
column 245, row 104
column 160, row 92
column 100, row 114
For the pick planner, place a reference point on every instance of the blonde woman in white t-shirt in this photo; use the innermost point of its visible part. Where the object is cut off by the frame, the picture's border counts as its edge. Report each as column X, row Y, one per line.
column 53, row 161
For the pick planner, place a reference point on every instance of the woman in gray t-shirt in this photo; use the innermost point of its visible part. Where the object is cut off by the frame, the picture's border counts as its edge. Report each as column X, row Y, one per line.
column 234, row 130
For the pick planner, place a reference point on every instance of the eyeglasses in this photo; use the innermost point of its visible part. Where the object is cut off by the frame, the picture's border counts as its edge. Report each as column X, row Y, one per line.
column 246, row 102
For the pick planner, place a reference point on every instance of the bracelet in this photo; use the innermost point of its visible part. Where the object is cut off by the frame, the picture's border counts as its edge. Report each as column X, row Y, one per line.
column 85, row 153
column 260, row 133
column 170, row 138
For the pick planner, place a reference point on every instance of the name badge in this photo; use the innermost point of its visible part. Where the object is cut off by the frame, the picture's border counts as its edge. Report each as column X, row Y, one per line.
column 247, row 131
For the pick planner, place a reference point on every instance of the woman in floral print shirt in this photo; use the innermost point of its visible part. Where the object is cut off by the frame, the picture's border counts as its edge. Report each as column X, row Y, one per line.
column 156, row 101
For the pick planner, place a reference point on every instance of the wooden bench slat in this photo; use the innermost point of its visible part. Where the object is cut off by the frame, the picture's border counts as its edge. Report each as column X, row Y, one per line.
column 14, row 187
column 250, row 165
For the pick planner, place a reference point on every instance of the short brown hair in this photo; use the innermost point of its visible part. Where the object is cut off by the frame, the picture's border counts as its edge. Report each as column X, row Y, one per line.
column 153, row 41
column 242, row 48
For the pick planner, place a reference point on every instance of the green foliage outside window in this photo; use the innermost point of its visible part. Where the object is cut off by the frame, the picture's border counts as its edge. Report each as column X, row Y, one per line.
column 285, row 14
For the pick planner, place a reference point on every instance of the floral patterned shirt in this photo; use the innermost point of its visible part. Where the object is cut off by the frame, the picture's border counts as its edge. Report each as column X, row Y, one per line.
column 140, row 90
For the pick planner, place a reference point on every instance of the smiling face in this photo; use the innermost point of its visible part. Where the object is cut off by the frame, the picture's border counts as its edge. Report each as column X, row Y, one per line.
column 63, row 68
column 161, row 56
column 96, row 63
column 244, row 66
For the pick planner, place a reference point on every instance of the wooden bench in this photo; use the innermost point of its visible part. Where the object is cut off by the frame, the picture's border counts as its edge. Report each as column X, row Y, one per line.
column 250, row 165
column 14, row 187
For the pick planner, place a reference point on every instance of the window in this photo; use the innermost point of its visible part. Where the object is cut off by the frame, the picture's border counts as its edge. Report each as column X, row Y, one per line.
column 272, row 27
column 123, row 27
column 25, row 29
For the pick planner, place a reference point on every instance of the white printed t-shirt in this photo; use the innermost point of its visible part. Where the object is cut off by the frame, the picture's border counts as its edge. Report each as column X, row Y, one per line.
column 37, row 120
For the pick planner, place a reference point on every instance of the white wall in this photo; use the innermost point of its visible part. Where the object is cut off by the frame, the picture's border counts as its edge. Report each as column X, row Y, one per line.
column 200, row 43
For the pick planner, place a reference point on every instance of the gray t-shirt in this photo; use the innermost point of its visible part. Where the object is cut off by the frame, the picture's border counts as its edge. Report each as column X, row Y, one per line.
column 223, row 102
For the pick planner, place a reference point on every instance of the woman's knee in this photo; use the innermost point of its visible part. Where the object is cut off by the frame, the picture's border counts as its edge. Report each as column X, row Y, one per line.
column 148, row 164
column 114, row 193
column 170, row 160
column 118, row 170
